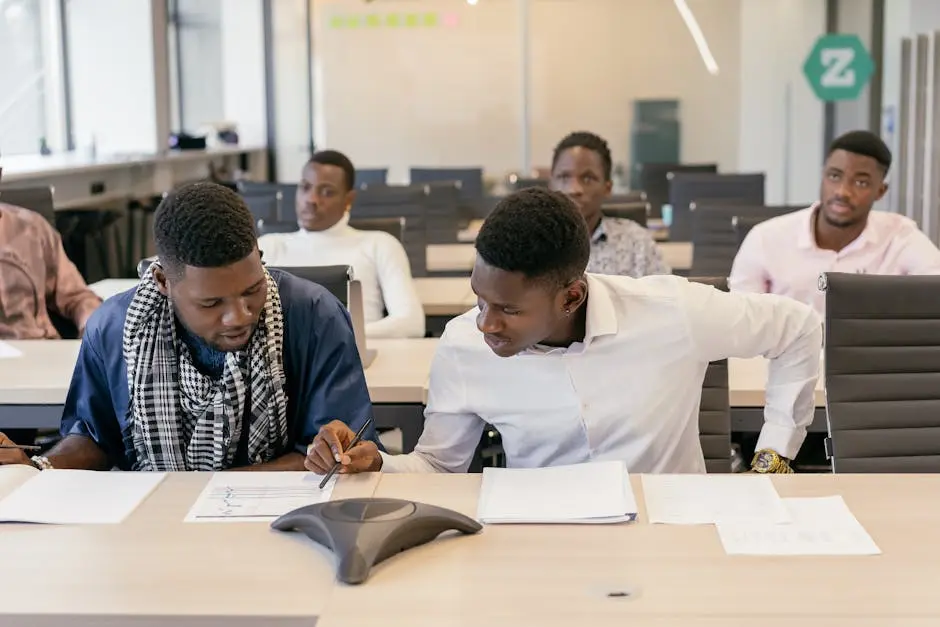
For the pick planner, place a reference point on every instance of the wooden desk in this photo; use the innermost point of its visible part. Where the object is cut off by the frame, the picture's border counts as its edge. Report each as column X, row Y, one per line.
column 460, row 257
column 154, row 569
column 440, row 296
column 676, row 575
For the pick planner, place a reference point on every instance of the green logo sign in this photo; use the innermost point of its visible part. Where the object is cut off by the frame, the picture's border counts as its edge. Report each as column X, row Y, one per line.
column 838, row 67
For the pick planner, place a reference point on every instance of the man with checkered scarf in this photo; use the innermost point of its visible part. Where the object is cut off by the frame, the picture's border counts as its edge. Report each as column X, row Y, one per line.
column 213, row 362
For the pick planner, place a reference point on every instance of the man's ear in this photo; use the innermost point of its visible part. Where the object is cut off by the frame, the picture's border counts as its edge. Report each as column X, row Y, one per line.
column 575, row 294
column 350, row 199
column 159, row 277
column 882, row 191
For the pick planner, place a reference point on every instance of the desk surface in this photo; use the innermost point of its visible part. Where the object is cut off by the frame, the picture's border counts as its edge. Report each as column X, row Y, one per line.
column 155, row 565
column 444, row 296
column 677, row 575
column 461, row 257
column 399, row 373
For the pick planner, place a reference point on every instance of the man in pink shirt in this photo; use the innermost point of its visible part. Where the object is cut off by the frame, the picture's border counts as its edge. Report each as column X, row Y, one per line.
column 36, row 274
column 839, row 233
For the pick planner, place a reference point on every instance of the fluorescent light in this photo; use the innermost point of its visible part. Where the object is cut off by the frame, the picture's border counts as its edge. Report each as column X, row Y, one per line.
column 472, row 1
column 692, row 24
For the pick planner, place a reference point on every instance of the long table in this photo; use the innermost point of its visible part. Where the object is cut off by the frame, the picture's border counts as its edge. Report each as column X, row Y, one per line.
column 156, row 570
column 33, row 387
column 655, row 575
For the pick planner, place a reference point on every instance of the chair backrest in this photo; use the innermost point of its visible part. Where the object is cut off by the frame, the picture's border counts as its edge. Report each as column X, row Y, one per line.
column 634, row 195
column 38, row 199
column 882, row 372
column 393, row 226
column 636, row 211
column 714, row 240
column 686, row 188
column 371, row 176
column 400, row 201
column 264, row 206
column 471, row 179
column 334, row 278
column 519, row 182
column 267, row 227
column 654, row 180
column 442, row 215
column 714, row 414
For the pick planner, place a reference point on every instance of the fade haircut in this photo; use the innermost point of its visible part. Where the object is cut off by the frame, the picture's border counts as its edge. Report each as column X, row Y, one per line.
column 203, row 225
column 539, row 233
column 589, row 141
column 339, row 160
column 863, row 143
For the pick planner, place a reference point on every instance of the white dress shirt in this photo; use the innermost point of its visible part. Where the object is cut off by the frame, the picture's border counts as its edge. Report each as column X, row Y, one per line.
column 630, row 391
column 780, row 255
column 378, row 261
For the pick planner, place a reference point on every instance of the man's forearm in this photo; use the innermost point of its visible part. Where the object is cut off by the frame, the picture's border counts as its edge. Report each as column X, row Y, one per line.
column 289, row 461
column 78, row 452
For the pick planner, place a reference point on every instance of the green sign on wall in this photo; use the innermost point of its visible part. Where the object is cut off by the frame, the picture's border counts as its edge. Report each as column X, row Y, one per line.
column 838, row 67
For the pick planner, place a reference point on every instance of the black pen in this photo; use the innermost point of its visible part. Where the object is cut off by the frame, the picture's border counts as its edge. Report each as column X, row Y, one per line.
column 354, row 442
column 22, row 447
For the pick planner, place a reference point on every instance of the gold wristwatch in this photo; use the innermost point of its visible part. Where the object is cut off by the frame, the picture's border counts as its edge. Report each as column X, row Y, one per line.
column 767, row 461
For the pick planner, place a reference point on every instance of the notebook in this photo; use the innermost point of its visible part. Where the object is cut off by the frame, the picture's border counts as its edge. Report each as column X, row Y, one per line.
column 591, row 493
column 72, row 497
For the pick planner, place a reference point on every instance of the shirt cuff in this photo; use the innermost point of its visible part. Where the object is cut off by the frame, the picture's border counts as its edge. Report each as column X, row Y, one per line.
column 786, row 441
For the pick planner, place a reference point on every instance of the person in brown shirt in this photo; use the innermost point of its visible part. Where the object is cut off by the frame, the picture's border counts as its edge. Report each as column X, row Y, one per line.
column 35, row 276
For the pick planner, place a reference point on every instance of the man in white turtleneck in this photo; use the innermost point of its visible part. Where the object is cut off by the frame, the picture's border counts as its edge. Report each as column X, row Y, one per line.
column 324, row 197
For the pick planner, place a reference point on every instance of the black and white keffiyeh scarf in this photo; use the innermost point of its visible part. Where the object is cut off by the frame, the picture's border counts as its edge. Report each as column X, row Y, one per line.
column 182, row 419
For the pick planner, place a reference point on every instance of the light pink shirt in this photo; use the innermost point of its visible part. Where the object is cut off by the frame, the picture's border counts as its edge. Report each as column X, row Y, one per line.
column 780, row 255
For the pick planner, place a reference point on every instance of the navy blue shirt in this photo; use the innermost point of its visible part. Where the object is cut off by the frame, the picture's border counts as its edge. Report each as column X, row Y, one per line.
column 321, row 362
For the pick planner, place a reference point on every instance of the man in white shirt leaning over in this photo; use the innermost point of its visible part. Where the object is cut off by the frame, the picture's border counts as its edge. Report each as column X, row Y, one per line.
column 324, row 197
column 574, row 367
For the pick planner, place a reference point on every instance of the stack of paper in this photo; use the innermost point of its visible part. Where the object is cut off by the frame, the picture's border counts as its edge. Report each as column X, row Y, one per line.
column 257, row 497
column 707, row 499
column 8, row 352
column 818, row 526
column 73, row 496
column 583, row 493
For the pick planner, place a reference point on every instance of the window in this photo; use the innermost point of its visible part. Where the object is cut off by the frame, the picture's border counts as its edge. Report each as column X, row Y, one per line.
column 196, row 68
column 31, row 80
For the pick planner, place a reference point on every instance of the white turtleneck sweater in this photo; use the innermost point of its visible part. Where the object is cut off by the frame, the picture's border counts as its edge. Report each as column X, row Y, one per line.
column 378, row 261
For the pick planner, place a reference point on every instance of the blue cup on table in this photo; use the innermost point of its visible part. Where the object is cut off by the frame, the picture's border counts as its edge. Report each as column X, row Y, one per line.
column 667, row 215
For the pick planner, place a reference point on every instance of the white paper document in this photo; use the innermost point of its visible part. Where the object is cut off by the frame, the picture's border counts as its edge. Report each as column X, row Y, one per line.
column 257, row 496
column 8, row 352
column 707, row 499
column 818, row 526
column 75, row 497
column 583, row 493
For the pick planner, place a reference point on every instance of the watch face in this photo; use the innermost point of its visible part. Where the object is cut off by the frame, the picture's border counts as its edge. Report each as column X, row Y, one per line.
column 764, row 461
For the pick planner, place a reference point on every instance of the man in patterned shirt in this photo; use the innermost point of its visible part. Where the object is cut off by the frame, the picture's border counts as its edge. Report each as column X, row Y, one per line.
column 581, row 168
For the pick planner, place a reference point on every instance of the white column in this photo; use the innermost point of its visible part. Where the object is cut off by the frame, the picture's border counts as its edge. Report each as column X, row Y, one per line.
column 291, row 82
column 781, row 121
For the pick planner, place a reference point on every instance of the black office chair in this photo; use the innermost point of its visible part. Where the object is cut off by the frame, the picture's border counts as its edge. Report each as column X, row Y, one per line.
column 653, row 179
column 517, row 182
column 399, row 201
column 714, row 414
column 334, row 278
column 393, row 226
column 635, row 211
column 266, row 227
column 471, row 179
column 715, row 243
column 685, row 189
column 371, row 176
column 882, row 372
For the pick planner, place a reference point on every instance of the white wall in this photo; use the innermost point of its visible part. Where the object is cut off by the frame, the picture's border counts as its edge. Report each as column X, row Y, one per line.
column 112, row 75
column 781, row 121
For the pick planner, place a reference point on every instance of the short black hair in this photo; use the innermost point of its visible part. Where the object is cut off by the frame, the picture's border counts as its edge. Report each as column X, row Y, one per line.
column 539, row 233
column 204, row 225
column 863, row 143
column 339, row 160
column 590, row 141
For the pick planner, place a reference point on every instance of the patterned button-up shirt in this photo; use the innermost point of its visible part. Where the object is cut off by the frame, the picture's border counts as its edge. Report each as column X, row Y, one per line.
column 623, row 247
